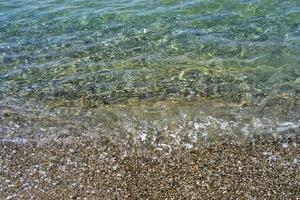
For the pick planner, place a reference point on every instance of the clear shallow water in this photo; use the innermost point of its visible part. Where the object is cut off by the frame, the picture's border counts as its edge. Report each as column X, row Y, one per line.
column 74, row 68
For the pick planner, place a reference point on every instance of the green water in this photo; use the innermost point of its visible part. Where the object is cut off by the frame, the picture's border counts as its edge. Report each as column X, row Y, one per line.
column 188, row 69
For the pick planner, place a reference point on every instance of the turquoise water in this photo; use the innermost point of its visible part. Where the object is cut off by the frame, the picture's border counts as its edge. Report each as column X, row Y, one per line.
column 96, row 67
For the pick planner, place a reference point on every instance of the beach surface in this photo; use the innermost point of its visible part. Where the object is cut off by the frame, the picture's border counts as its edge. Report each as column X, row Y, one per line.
column 260, row 168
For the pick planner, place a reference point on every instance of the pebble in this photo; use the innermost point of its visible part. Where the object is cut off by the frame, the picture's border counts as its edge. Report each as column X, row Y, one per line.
column 196, row 172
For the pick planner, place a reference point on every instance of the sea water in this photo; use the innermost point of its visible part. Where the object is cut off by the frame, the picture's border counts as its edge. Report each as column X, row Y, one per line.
column 159, row 72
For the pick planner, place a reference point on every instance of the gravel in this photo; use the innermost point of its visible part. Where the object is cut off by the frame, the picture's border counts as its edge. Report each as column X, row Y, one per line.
column 261, row 167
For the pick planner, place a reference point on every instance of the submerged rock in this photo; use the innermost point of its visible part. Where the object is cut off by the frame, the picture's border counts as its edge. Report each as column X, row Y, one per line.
column 278, row 104
column 279, row 77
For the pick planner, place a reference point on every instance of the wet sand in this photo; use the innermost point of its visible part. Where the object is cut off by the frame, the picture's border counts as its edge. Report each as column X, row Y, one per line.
column 264, row 167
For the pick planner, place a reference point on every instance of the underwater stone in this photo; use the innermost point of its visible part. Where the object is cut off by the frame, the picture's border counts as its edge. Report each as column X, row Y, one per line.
column 279, row 77
column 7, row 60
column 278, row 104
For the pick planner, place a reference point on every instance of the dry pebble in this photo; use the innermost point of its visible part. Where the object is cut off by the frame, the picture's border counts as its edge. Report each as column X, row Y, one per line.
column 260, row 168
